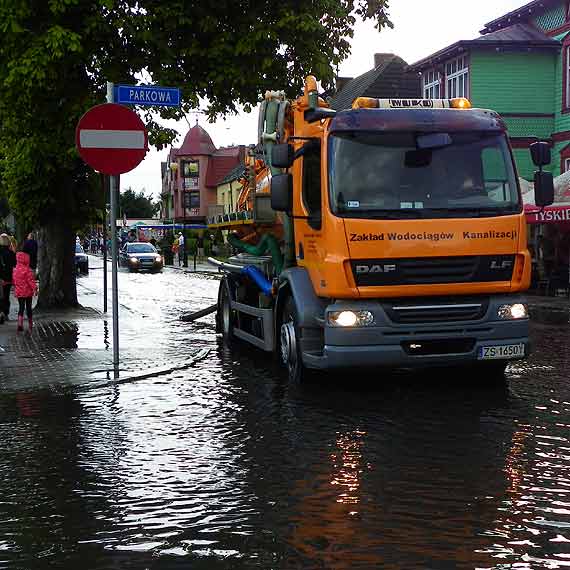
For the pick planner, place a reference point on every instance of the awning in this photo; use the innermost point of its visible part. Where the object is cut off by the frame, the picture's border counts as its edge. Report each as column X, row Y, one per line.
column 558, row 212
column 555, row 214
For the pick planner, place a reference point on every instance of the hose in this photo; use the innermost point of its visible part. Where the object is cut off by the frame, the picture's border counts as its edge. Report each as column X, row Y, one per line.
column 251, row 271
column 267, row 243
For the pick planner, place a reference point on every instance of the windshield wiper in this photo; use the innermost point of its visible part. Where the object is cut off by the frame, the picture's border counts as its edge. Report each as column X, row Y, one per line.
column 405, row 213
column 475, row 211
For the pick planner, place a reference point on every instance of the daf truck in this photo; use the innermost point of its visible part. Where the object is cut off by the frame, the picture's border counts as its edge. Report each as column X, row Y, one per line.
column 390, row 234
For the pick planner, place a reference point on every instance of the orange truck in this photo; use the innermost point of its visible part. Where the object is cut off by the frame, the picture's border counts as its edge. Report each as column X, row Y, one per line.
column 392, row 234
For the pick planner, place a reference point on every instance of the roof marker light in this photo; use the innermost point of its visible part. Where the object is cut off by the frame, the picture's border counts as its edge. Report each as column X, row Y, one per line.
column 460, row 103
column 365, row 103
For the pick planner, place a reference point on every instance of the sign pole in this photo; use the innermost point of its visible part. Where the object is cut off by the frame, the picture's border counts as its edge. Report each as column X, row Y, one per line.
column 114, row 256
column 105, row 252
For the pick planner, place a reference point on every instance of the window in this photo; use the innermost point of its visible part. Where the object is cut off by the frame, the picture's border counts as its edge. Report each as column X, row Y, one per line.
column 312, row 183
column 566, row 86
column 190, row 169
column 432, row 85
column 386, row 176
column 457, row 78
column 565, row 159
column 191, row 199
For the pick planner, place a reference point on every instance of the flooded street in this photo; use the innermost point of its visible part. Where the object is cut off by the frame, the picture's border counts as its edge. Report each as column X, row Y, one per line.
column 226, row 466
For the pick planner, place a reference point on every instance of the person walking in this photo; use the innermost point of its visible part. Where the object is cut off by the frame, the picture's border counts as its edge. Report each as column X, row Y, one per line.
column 175, row 248
column 25, row 288
column 181, row 249
column 7, row 264
column 31, row 248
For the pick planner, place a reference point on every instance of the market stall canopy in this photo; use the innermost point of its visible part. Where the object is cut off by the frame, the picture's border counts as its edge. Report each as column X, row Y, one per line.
column 558, row 213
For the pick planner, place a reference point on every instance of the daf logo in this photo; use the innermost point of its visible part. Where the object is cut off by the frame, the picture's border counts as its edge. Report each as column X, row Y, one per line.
column 500, row 265
column 362, row 269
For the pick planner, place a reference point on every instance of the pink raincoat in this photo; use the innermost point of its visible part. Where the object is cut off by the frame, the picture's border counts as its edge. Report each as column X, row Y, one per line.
column 23, row 277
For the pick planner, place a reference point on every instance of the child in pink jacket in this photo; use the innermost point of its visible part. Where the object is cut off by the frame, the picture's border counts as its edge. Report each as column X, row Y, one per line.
column 24, row 288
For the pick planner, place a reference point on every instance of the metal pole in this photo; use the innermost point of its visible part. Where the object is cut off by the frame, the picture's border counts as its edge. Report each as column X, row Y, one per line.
column 103, row 181
column 114, row 283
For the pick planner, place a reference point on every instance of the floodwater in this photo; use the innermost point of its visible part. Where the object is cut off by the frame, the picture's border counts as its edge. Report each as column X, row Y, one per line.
column 226, row 466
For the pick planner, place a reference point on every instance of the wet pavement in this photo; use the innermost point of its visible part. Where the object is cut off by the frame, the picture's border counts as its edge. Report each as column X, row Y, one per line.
column 223, row 465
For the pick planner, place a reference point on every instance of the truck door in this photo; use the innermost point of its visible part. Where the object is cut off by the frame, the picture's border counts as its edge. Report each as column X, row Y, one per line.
column 308, row 215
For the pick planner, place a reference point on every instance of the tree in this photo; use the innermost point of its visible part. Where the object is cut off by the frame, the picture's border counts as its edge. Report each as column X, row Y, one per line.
column 134, row 205
column 55, row 59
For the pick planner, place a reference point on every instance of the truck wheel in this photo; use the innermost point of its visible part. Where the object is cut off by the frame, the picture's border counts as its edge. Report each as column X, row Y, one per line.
column 226, row 314
column 289, row 343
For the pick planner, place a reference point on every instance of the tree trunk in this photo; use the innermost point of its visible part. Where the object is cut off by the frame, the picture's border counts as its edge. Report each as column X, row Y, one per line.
column 56, row 264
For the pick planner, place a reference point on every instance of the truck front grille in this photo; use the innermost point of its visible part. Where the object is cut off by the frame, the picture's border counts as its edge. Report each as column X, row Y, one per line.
column 433, row 270
column 436, row 310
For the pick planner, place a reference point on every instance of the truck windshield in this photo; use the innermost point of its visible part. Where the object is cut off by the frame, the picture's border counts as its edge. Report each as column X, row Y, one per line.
column 404, row 175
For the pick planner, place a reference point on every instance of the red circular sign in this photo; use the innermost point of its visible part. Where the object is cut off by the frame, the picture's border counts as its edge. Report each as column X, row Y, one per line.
column 111, row 138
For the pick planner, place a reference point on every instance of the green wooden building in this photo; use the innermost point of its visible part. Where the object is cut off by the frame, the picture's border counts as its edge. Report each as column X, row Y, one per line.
column 520, row 67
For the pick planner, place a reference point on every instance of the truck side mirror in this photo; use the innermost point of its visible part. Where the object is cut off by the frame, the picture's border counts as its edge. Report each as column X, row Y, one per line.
column 543, row 188
column 540, row 152
column 282, row 155
column 282, row 192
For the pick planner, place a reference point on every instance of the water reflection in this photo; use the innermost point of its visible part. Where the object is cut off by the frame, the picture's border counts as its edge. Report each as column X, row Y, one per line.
column 226, row 465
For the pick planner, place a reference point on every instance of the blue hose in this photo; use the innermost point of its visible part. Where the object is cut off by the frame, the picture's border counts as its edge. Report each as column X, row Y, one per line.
column 258, row 277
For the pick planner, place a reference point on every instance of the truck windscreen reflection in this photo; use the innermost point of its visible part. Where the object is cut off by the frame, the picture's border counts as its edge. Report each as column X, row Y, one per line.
column 392, row 175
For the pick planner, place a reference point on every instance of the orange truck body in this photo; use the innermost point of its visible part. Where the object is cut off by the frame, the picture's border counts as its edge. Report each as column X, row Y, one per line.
column 383, row 267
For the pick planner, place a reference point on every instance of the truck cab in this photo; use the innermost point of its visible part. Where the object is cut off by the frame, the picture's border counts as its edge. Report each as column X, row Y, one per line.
column 407, row 237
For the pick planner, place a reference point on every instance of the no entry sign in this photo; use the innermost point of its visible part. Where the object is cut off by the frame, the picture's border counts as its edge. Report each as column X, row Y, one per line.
column 111, row 139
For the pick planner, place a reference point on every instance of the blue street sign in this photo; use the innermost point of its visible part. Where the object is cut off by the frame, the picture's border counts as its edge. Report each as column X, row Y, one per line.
column 147, row 95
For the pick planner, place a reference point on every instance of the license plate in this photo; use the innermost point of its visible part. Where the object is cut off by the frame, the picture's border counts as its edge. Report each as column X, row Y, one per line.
column 501, row 351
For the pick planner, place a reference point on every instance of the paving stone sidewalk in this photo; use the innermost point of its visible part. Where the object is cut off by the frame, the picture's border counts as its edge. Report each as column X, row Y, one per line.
column 53, row 357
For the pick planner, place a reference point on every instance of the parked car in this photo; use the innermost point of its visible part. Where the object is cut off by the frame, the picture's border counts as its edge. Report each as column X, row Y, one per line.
column 81, row 260
column 140, row 256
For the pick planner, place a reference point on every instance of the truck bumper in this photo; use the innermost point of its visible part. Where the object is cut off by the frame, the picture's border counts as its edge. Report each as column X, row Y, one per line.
column 417, row 345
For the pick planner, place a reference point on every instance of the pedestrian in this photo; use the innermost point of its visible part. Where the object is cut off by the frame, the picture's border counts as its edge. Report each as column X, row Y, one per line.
column 25, row 288
column 200, row 245
column 175, row 247
column 13, row 244
column 181, row 248
column 31, row 248
column 7, row 264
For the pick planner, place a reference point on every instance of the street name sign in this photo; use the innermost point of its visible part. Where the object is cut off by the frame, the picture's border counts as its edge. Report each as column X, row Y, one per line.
column 147, row 95
column 111, row 138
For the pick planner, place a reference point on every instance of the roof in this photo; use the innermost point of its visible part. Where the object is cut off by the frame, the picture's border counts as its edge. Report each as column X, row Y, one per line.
column 357, row 86
column 196, row 142
column 515, row 36
column 219, row 167
column 524, row 11
column 517, row 33
column 234, row 174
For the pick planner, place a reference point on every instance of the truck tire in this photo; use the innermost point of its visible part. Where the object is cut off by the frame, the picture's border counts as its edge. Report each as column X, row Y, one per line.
column 289, row 348
column 225, row 317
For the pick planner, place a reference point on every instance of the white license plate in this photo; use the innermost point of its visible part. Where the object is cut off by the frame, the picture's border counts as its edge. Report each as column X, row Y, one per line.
column 501, row 351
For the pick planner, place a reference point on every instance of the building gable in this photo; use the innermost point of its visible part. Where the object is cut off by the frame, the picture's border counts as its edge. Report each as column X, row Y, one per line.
column 390, row 78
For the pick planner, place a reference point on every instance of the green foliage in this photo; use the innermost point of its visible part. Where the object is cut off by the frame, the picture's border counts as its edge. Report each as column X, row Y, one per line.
column 137, row 205
column 56, row 56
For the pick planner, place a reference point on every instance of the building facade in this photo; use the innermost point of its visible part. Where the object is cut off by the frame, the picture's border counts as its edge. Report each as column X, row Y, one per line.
column 191, row 175
column 519, row 67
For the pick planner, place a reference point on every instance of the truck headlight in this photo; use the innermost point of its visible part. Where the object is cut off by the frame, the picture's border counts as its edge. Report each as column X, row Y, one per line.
column 350, row 318
column 513, row 311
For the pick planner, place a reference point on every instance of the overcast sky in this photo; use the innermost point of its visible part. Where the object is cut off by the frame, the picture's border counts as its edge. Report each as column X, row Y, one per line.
column 420, row 29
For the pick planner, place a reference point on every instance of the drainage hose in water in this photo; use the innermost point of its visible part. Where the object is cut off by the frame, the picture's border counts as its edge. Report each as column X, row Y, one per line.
column 267, row 243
